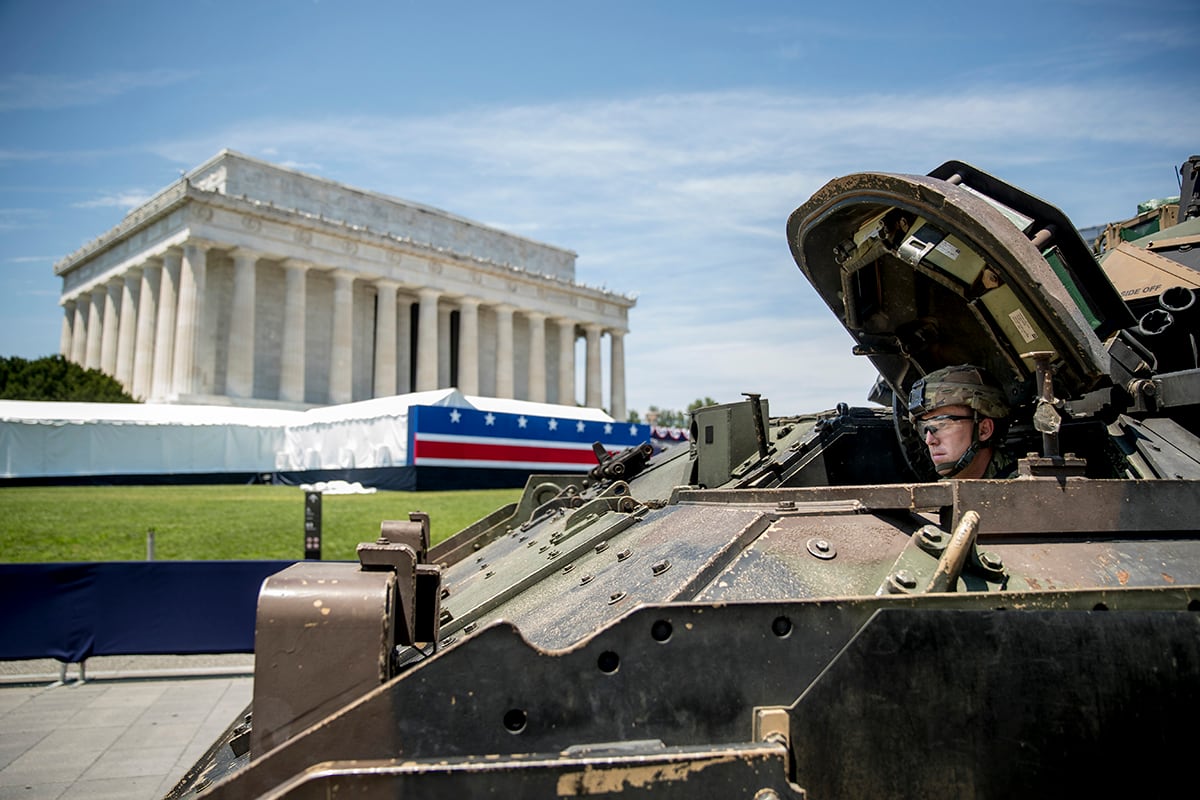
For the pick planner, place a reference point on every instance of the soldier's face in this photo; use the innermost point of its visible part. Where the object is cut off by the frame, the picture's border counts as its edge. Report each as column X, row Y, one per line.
column 947, row 437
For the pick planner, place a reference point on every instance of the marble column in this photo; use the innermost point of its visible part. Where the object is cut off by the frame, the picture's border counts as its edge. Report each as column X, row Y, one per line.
column 468, row 346
column 427, row 343
column 239, row 366
column 404, row 383
column 186, row 375
column 127, row 333
column 504, row 351
column 112, row 326
column 566, row 362
column 79, row 331
column 291, row 361
column 537, row 356
column 385, row 338
column 147, row 316
column 164, row 334
column 616, row 386
column 341, row 368
column 444, row 342
column 66, row 339
column 95, row 325
column 206, row 340
column 593, row 392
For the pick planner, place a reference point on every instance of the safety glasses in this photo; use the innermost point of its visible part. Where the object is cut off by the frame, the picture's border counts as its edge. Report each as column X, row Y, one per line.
column 932, row 425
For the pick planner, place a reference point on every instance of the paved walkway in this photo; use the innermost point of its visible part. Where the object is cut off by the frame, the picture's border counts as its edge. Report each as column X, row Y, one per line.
column 131, row 730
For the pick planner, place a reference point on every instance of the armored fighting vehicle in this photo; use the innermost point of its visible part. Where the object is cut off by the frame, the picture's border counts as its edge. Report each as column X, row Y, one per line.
column 793, row 606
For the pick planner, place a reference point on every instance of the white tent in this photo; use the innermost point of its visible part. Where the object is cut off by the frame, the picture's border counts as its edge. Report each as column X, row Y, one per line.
column 44, row 441
column 39, row 440
column 363, row 435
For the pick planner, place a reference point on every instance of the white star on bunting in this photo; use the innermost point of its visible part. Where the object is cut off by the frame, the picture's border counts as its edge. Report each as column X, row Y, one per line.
column 490, row 419
column 553, row 424
column 455, row 416
column 521, row 421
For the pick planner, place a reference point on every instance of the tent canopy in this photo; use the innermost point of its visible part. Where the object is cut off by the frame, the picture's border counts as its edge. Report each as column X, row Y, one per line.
column 46, row 440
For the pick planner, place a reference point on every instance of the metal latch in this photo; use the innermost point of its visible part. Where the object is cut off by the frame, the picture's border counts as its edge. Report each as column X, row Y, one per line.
column 403, row 547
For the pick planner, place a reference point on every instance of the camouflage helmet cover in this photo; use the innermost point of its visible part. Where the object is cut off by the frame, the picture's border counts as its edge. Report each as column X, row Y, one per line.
column 962, row 385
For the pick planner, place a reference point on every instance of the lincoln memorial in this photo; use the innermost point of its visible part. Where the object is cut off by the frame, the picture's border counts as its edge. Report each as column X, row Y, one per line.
column 250, row 284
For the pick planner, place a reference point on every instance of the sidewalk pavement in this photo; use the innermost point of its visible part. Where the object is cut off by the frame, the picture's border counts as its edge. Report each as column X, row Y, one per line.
column 131, row 730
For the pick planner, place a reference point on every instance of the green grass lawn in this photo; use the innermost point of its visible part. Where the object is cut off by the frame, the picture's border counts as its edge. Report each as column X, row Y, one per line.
column 109, row 523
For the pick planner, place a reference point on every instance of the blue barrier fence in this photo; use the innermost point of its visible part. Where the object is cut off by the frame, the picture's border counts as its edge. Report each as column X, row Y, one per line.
column 74, row 611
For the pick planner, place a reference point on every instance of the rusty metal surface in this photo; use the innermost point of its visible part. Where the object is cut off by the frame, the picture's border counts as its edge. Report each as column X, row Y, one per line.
column 309, row 616
column 821, row 620
column 901, row 496
column 1108, row 563
column 787, row 561
column 643, row 676
column 476, row 587
column 470, row 539
column 1078, row 506
column 1004, row 704
column 1028, row 506
column 671, row 554
column 574, row 571
column 750, row 771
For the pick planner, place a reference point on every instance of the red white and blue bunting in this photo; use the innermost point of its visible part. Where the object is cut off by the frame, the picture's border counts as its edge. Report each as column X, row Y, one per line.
column 446, row 436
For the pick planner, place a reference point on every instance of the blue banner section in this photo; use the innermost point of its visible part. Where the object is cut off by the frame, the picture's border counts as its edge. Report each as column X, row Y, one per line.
column 74, row 611
column 472, row 422
column 453, row 436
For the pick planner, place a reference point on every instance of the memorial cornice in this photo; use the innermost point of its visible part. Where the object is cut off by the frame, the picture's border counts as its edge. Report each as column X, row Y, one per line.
column 235, row 162
column 255, row 212
column 406, row 245
column 166, row 201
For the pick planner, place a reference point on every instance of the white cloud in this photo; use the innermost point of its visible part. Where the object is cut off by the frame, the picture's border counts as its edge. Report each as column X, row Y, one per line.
column 15, row 219
column 302, row 166
column 32, row 259
column 44, row 92
column 683, row 199
column 20, row 155
column 653, row 155
column 126, row 200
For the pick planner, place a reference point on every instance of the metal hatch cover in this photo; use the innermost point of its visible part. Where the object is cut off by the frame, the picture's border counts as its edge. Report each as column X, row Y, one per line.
column 927, row 271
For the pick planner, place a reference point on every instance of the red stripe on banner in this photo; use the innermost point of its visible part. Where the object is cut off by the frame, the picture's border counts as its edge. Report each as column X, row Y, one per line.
column 499, row 452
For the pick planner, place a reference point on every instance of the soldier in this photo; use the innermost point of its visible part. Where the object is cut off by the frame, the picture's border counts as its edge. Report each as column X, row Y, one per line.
column 961, row 413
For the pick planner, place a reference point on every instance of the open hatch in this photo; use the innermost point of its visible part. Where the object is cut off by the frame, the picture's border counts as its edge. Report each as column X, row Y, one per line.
column 958, row 267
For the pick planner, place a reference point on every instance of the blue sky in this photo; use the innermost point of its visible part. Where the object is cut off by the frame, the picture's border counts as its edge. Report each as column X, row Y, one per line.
column 665, row 143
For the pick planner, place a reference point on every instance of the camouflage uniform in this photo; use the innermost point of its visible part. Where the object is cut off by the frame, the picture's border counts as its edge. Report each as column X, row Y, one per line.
column 1001, row 466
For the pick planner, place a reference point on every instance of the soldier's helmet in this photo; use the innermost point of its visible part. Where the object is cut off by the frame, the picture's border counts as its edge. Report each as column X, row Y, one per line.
column 962, row 385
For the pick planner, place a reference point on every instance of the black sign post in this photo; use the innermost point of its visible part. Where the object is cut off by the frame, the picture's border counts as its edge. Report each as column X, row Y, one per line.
column 312, row 526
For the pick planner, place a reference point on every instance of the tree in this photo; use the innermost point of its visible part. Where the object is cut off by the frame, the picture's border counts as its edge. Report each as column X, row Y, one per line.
column 670, row 418
column 56, row 378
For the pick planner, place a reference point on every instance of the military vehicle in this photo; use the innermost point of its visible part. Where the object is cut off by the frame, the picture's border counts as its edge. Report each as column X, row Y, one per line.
column 792, row 606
